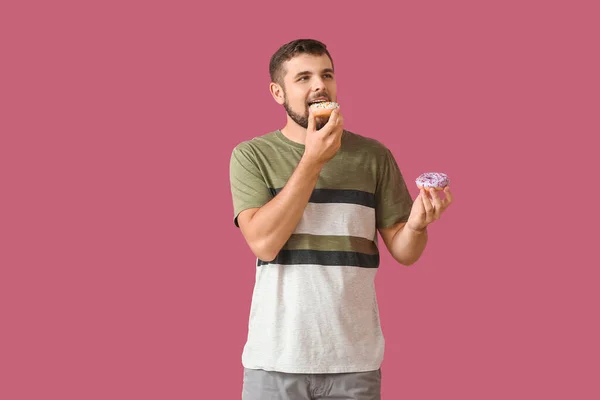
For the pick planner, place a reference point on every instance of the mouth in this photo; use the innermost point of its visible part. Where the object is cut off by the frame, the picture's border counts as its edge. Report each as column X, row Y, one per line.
column 318, row 100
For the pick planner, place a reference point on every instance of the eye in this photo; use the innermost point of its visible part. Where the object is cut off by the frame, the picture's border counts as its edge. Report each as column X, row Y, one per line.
column 328, row 76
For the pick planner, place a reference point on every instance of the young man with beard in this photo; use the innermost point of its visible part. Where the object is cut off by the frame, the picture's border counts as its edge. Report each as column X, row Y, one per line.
column 309, row 199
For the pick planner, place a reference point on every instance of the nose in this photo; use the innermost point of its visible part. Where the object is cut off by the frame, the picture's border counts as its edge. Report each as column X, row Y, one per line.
column 318, row 84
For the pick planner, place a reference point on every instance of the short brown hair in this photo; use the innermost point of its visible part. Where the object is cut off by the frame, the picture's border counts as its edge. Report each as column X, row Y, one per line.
column 289, row 51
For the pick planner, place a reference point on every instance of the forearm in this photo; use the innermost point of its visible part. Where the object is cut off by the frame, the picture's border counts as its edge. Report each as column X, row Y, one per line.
column 408, row 245
column 273, row 224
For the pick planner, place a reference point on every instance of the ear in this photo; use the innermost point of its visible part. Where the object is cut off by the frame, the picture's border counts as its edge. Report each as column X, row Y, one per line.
column 276, row 92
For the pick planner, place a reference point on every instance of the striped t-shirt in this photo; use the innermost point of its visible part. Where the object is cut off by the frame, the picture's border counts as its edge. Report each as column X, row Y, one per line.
column 314, row 308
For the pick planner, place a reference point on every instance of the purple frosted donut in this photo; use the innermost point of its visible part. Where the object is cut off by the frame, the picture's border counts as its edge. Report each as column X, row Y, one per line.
column 432, row 180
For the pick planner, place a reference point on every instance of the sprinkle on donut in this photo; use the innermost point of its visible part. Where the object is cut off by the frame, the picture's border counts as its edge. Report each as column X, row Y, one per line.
column 324, row 105
column 432, row 180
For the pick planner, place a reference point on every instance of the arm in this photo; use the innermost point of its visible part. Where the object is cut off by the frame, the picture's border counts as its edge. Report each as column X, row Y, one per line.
column 404, row 244
column 268, row 228
column 406, row 241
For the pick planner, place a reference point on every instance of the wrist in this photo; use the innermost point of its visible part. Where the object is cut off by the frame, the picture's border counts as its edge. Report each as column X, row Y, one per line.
column 310, row 163
column 416, row 230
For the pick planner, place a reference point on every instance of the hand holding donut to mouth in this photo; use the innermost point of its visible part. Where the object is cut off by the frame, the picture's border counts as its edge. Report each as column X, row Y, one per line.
column 321, row 145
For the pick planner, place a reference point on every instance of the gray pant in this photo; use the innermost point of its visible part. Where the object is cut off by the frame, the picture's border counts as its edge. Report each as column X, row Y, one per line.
column 268, row 385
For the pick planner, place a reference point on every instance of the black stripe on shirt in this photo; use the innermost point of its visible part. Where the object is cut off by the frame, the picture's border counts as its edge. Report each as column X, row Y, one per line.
column 348, row 196
column 343, row 258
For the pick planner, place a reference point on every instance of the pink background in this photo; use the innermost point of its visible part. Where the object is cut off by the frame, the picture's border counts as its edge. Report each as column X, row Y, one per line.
column 122, row 275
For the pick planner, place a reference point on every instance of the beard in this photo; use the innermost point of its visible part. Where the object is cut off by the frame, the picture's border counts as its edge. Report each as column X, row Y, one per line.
column 302, row 120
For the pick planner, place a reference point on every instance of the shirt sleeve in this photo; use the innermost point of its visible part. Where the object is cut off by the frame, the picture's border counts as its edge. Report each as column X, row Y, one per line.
column 248, row 186
column 392, row 198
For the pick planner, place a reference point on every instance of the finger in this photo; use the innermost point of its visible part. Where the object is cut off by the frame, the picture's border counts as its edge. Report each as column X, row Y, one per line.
column 427, row 207
column 437, row 203
column 311, row 121
column 332, row 120
column 339, row 126
column 448, row 194
column 448, row 199
column 340, row 120
column 426, row 202
column 418, row 207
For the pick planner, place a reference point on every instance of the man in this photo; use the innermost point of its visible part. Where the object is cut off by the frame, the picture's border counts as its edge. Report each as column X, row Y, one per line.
column 309, row 200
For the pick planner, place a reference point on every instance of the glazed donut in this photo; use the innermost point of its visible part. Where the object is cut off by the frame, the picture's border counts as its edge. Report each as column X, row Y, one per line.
column 432, row 180
column 323, row 108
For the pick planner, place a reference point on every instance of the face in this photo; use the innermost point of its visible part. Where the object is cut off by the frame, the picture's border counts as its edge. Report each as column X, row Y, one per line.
column 307, row 78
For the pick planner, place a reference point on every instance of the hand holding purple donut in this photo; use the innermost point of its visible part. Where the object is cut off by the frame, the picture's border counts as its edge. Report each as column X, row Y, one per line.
column 428, row 206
